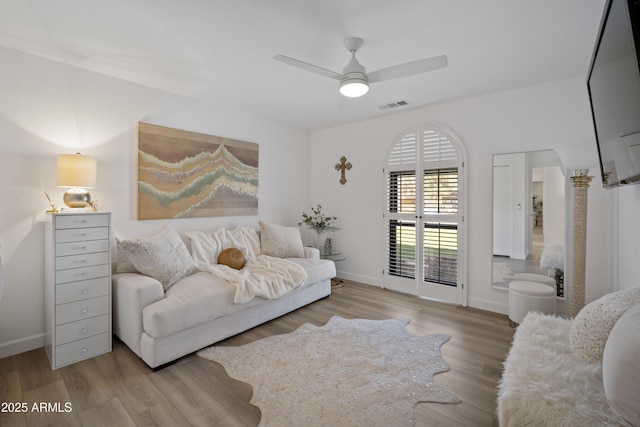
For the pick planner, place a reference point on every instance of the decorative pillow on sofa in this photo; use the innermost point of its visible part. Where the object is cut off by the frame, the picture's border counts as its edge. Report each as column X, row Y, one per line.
column 161, row 255
column 621, row 367
column 123, row 263
column 279, row 241
column 590, row 328
column 232, row 257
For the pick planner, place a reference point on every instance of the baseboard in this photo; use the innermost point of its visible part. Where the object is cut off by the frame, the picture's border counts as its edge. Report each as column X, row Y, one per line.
column 487, row 305
column 21, row 345
column 367, row 280
column 472, row 302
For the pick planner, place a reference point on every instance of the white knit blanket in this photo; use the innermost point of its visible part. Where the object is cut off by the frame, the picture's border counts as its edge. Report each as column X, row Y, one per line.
column 263, row 276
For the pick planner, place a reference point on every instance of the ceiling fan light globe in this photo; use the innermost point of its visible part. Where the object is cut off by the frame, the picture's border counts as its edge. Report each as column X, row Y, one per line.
column 354, row 88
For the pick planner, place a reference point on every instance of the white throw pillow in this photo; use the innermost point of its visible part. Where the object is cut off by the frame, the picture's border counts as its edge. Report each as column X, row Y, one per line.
column 621, row 367
column 591, row 327
column 123, row 263
column 279, row 241
column 161, row 255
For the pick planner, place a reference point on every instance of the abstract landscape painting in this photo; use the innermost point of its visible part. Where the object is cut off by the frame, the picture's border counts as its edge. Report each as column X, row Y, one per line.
column 184, row 174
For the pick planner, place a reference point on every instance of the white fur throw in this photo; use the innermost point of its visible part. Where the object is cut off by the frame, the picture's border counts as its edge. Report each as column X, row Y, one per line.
column 591, row 327
column 544, row 384
column 552, row 257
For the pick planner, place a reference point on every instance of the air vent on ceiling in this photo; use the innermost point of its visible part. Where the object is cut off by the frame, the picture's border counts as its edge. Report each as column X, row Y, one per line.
column 395, row 104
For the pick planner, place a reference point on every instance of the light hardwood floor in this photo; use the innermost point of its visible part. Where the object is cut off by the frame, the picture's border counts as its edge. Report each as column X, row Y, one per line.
column 120, row 390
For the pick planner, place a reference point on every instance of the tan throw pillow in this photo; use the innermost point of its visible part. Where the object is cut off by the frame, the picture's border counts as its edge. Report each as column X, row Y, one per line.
column 232, row 257
column 161, row 255
column 621, row 367
column 279, row 241
column 590, row 328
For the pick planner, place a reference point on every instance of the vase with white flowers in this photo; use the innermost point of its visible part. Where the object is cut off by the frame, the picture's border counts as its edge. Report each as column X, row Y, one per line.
column 320, row 223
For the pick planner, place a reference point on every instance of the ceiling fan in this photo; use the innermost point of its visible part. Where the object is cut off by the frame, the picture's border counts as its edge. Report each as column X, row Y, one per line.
column 354, row 80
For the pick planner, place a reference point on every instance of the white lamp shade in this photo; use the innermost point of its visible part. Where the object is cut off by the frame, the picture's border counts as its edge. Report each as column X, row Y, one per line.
column 577, row 156
column 76, row 171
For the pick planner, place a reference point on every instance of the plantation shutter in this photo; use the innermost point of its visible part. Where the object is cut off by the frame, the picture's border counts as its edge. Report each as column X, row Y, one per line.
column 401, row 191
column 429, row 204
column 440, row 208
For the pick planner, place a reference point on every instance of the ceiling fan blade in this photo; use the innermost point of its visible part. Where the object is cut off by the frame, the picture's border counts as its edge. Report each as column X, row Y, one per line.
column 308, row 67
column 408, row 69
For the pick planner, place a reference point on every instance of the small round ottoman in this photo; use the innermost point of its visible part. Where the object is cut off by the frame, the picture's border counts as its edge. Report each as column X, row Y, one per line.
column 532, row 277
column 527, row 296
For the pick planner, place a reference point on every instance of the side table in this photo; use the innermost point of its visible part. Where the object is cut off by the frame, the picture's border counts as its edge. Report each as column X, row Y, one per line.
column 335, row 257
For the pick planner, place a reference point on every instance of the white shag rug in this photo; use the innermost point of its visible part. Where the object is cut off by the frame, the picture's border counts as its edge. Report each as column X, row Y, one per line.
column 545, row 384
column 349, row 372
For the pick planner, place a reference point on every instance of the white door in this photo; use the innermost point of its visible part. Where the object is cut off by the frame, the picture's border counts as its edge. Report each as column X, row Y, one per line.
column 423, row 216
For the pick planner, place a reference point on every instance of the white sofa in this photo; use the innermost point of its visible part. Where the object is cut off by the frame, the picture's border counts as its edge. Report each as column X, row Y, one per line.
column 579, row 372
column 197, row 310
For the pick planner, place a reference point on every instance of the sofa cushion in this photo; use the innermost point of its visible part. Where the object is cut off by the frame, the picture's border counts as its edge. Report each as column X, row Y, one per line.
column 317, row 269
column 161, row 255
column 201, row 297
column 590, row 328
column 281, row 242
column 621, row 367
column 194, row 300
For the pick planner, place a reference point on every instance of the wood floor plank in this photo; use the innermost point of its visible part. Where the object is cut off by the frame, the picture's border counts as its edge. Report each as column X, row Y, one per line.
column 107, row 414
column 51, row 405
column 160, row 416
column 194, row 402
column 35, row 370
column 13, row 413
column 117, row 388
column 86, row 384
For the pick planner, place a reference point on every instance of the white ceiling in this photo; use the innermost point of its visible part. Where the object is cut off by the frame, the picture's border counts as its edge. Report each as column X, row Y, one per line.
column 221, row 51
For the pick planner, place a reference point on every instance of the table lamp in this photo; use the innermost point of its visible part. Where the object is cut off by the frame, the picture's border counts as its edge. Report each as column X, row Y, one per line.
column 77, row 173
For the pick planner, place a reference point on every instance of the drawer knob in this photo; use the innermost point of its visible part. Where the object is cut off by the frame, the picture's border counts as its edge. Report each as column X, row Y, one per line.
column 84, row 310
column 84, row 349
column 84, row 329
column 84, row 291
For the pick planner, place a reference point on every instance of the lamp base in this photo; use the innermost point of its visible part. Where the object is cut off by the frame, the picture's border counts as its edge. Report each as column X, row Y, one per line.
column 77, row 198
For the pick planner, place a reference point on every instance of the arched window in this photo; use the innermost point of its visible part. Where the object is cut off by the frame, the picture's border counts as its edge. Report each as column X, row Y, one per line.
column 424, row 217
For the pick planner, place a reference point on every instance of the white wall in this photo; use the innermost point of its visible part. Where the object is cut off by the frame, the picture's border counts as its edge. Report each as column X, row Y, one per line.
column 626, row 237
column 526, row 119
column 47, row 109
column 554, row 207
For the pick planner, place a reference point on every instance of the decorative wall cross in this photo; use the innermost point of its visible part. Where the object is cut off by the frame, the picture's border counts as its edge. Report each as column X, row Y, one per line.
column 342, row 166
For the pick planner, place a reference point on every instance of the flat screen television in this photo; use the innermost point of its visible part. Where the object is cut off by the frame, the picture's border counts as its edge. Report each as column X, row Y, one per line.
column 614, row 93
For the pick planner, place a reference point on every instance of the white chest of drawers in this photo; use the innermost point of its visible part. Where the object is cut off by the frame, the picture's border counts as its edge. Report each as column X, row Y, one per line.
column 77, row 286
